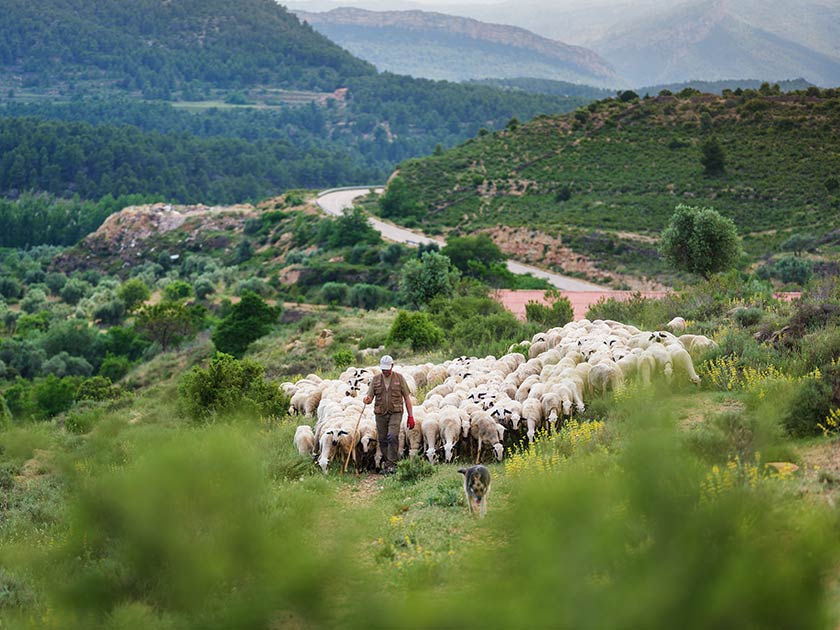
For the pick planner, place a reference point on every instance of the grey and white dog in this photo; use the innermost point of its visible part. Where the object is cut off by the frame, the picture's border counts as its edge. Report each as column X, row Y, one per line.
column 476, row 487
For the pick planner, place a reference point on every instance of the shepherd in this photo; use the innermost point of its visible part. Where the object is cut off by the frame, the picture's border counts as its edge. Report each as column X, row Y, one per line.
column 389, row 390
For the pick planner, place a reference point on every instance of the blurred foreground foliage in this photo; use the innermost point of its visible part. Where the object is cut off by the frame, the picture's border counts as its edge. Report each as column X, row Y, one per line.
column 194, row 526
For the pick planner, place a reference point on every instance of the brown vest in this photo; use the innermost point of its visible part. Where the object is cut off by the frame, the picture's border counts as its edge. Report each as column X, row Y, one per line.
column 392, row 402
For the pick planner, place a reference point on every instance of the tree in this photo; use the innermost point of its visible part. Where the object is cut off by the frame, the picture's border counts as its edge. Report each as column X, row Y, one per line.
column 424, row 279
column 700, row 240
column 417, row 329
column 247, row 321
column 713, row 159
column 133, row 292
column 473, row 255
column 558, row 312
column 168, row 323
column 177, row 290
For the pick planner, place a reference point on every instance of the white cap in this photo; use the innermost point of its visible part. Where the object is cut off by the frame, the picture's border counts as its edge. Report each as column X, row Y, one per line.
column 386, row 362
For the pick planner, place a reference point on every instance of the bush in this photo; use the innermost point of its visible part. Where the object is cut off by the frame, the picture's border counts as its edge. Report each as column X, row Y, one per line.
column 558, row 312
column 228, row 385
column 335, row 293
column 809, row 407
column 98, row 389
column 747, row 317
column 10, row 288
column 81, row 421
column 417, row 329
column 110, row 313
column 369, row 296
column 177, row 290
column 491, row 334
column 343, row 358
column 52, row 395
column 114, row 367
column 414, row 469
column 133, row 293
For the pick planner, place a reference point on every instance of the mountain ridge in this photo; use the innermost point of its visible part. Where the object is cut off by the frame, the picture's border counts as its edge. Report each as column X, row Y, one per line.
column 359, row 31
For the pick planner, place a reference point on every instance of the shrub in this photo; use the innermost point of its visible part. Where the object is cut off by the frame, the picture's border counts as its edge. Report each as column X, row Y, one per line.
column 114, row 367
column 557, row 313
column 133, row 293
column 791, row 269
column 74, row 290
column 63, row 364
column 177, row 290
column 229, row 385
column 82, row 420
column 414, row 469
column 417, row 329
column 110, row 313
column 369, row 296
column 10, row 288
column 343, row 358
column 98, row 388
column 747, row 317
column 52, row 395
column 808, row 408
column 335, row 293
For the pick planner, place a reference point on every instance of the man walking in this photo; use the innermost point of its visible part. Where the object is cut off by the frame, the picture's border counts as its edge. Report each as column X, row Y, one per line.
column 389, row 390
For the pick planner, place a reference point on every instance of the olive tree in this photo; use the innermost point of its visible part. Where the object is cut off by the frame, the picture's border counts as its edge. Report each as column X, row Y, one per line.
column 699, row 240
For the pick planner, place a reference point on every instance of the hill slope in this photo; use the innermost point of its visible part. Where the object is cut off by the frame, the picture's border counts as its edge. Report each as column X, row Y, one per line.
column 159, row 45
column 438, row 46
column 623, row 167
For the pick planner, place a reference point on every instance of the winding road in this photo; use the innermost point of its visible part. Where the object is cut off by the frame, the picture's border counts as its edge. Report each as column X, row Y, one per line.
column 337, row 199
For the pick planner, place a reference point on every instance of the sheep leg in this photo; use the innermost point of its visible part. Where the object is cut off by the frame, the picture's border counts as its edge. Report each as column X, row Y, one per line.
column 478, row 454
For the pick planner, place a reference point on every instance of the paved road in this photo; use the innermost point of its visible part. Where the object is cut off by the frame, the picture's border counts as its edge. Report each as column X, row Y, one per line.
column 334, row 201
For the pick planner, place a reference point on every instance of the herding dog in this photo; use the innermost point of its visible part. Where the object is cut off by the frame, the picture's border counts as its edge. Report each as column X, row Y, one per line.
column 476, row 487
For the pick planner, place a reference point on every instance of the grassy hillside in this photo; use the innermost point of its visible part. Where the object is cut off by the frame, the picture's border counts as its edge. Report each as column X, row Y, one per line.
column 122, row 510
column 622, row 165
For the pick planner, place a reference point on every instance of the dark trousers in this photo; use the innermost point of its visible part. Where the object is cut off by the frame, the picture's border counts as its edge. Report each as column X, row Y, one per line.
column 388, row 431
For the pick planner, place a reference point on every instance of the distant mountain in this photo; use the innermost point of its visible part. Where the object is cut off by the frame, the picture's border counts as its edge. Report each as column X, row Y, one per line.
column 669, row 41
column 723, row 39
column 438, row 46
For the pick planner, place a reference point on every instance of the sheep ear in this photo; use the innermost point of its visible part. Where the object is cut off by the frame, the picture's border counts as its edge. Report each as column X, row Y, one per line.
column 343, row 433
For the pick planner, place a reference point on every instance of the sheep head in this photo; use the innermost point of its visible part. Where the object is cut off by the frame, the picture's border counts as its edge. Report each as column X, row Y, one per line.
column 448, row 451
column 499, row 450
column 567, row 407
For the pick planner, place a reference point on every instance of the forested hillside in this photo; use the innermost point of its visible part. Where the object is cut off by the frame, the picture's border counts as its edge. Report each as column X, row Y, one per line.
column 210, row 103
column 768, row 161
column 157, row 47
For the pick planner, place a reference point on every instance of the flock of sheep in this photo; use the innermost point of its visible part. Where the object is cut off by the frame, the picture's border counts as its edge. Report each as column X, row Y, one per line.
column 477, row 403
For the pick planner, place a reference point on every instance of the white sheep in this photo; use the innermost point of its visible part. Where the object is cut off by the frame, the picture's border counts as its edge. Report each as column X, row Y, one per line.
column 681, row 361
column 676, row 325
column 532, row 414
column 305, row 440
column 485, row 431
column 431, row 436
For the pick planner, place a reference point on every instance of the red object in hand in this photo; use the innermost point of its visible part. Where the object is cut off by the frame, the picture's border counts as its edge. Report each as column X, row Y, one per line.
column 410, row 422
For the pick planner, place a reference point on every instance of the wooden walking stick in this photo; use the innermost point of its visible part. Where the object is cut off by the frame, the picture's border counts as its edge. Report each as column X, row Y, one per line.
column 353, row 440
